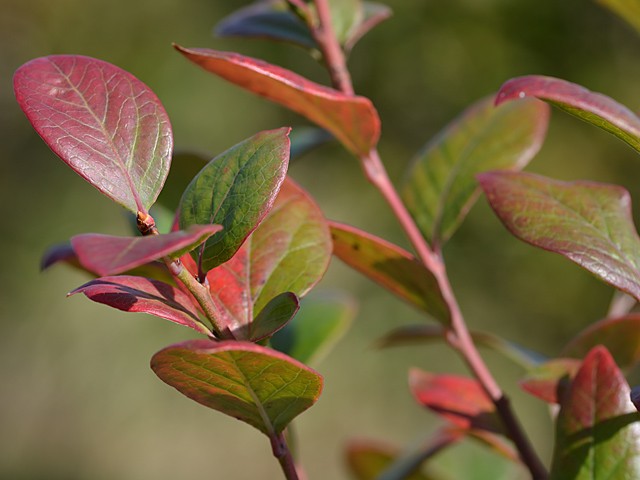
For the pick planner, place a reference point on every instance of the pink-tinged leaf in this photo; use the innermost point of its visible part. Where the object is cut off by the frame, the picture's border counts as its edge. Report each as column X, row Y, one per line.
column 351, row 119
column 369, row 460
column 594, row 108
column 420, row 334
column 391, row 267
column 550, row 380
column 460, row 400
column 270, row 19
column 59, row 253
column 139, row 294
column 621, row 336
column 374, row 13
column 254, row 384
column 288, row 252
column 110, row 255
column 629, row 10
column 441, row 186
column 598, row 428
column 589, row 223
column 107, row 125
column 236, row 190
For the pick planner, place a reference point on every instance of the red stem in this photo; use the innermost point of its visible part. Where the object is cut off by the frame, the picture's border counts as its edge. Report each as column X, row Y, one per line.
column 283, row 454
column 376, row 174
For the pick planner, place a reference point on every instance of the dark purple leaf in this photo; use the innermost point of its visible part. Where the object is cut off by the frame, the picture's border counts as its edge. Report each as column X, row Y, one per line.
column 107, row 125
column 139, row 294
column 589, row 223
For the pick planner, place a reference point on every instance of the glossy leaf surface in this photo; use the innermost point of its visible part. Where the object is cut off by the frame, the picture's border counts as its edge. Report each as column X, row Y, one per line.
column 288, row 252
column 236, row 190
column 391, row 267
column 460, row 400
column 254, row 384
column 441, row 186
column 419, row 334
column 271, row 19
column 351, row 119
column 139, row 294
column 110, row 255
column 107, row 125
column 621, row 336
column 318, row 325
column 551, row 379
column 589, row 223
column 627, row 9
column 592, row 107
column 598, row 428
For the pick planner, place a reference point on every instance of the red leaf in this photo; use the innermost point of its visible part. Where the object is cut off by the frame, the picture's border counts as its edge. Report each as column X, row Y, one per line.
column 460, row 400
column 107, row 125
column 351, row 119
column 550, row 380
column 110, row 255
column 139, row 294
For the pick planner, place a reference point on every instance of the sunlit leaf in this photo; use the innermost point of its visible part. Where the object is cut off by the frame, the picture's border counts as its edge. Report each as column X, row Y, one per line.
column 589, row 223
column 318, row 325
column 441, row 186
column 254, row 384
column 236, row 190
column 598, row 428
column 627, row 9
column 139, row 294
column 351, row 119
column 593, row 108
column 391, row 267
column 107, row 125
column 110, row 255
column 551, row 379
column 621, row 336
column 460, row 400
column 288, row 252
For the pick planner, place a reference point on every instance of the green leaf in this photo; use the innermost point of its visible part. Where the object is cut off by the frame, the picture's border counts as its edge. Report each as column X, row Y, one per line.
column 254, row 384
column 273, row 316
column 236, row 190
column 346, row 15
column 352, row 119
column 373, row 14
column 621, row 336
column 594, row 108
column 629, row 10
column 103, row 122
column 289, row 252
column 589, row 223
column 598, row 429
column 318, row 325
column 441, row 187
column 391, row 267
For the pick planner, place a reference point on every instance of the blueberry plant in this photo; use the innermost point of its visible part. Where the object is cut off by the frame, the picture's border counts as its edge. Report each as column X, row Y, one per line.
column 246, row 243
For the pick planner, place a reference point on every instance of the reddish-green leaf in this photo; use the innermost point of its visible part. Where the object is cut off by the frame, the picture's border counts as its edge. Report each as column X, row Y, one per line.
column 271, row 19
column 593, row 108
column 107, row 125
column 139, row 294
column 391, row 267
column 589, row 223
column 110, row 255
column 351, row 119
column 621, row 336
column 367, row 460
column 316, row 328
column 441, row 186
column 627, row 9
column 257, row 385
column 551, row 379
column 288, row 252
column 460, row 400
column 236, row 190
column 598, row 428
column 419, row 334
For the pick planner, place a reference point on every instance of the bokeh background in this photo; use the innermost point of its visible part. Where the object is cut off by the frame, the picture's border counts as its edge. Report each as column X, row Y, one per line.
column 77, row 398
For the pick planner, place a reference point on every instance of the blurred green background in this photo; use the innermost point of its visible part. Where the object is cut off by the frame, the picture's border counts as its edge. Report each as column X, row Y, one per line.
column 77, row 398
